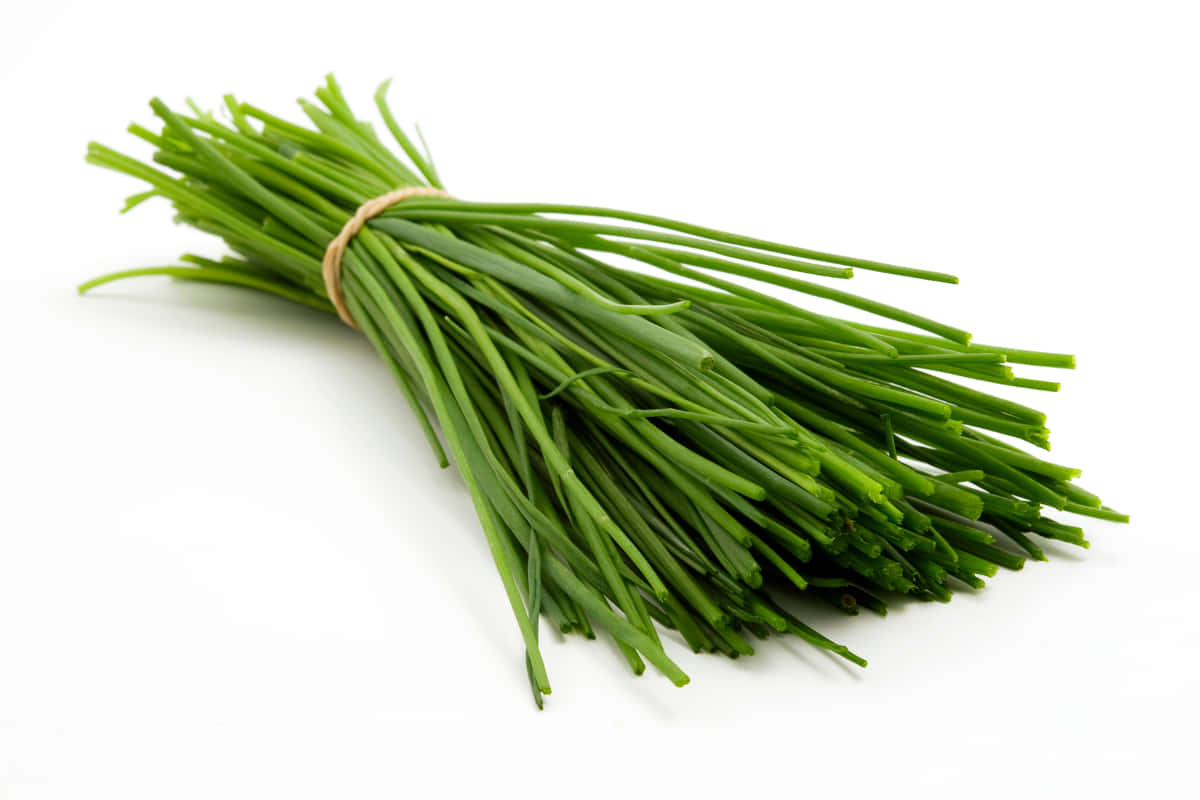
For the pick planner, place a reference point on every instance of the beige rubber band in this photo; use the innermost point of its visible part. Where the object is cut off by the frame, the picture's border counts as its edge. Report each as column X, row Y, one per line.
column 331, row 264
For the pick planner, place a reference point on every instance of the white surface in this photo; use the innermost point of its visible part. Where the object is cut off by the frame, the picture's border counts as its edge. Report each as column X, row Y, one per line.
column 228, row 567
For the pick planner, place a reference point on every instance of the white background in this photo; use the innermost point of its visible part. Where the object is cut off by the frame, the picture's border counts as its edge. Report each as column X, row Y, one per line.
column 229, row 567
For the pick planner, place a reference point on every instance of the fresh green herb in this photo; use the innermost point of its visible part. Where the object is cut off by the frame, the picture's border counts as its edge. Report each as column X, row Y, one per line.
column 643, row 453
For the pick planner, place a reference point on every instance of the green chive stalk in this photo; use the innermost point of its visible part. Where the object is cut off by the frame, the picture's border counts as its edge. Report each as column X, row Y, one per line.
column 643, row 453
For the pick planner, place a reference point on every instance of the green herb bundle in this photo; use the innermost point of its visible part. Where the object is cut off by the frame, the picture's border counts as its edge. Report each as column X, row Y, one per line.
column 643, row 452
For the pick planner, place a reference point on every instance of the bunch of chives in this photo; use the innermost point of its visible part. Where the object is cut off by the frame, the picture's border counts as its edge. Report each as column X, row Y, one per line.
column 643, row 453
